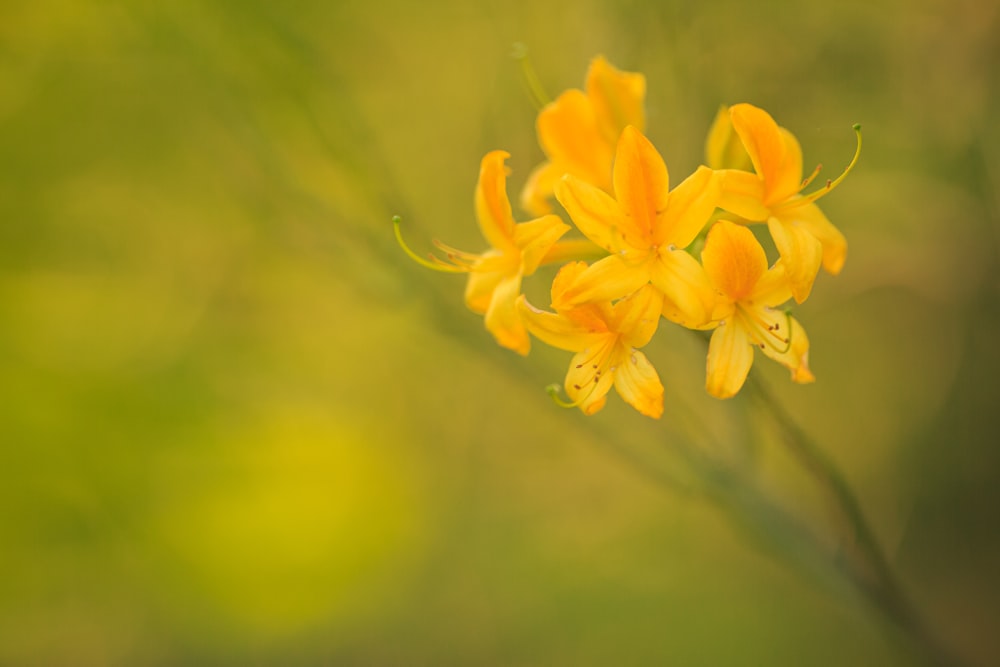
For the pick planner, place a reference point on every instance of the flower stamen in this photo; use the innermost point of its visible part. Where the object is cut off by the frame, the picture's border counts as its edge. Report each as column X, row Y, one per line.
column 830, row 184
column 435, row 263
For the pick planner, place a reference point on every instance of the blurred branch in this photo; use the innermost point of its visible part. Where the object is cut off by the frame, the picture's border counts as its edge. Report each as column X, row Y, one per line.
column 869, row 569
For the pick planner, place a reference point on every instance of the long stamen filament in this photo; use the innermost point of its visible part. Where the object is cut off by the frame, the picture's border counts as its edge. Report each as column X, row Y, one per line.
column 830, row 185
column 435, row 263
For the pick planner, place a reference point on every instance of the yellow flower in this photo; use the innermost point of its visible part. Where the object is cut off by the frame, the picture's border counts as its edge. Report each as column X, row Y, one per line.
column 578, row 131
column 736, row 265
column 646, row 228
column 605, row 338
column 517, row 249
column 805, row 238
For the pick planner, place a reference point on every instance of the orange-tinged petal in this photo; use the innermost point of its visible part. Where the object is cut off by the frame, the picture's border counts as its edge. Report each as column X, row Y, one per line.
column 688, row 296
column 608, row 279
column 742, row 194
column 688, row 208
column 535, row 238
column 492, row 206
column 617, row 97
column 775, row 153
column 554, row 329
column 733, row 259
column 810, row 218
column 637, row 382
column 723, row 148
column 801, row 255
column 796, row 356
column 730, row 356
column 503, row 319
column 641, row 183
column 636, row 317
column 570, row 137
column 594, row 212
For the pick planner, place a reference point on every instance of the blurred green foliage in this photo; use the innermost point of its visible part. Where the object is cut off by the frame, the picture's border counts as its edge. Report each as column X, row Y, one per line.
column 238, row 426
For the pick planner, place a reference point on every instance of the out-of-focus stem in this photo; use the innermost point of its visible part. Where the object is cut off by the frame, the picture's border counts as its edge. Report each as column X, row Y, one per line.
column 869, row 570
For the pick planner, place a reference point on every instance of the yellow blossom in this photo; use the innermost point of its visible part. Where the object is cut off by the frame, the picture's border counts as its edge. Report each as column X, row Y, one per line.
column 517, row 249
column 749, row 293
column 605, row 338
column 805, row 238
column 578, row 131
column 646, row 228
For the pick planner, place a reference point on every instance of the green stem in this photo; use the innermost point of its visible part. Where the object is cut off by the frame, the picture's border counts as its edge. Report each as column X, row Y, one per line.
column 874, row 576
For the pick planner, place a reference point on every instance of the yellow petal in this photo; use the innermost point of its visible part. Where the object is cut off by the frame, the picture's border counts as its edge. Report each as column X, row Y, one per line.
column 503, row 319
column 773, row 288
column 479, row 289
column 617, row 97
column 553, row 329
column 776, row 155
column 641, row 183
column 796, row 356
column 688, row 296
column 688, row 208
column 801, row 255
column 730, row 356
column 594, row 212
column 607, row 280
column 589, row 377
column 535, row 238
column 812, row 220
column 492, row 206
column 636, row 317
column 570, row 137
column 723, row 148
column 638, row 384
column 734, row 260
column 742, row 194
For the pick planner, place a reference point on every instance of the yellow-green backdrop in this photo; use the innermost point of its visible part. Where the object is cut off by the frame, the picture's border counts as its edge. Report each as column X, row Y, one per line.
column 238, row 426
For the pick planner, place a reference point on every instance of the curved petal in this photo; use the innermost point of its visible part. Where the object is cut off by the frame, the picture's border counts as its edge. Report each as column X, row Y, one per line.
column 812, row 220
column 492, row 206
column 606, row 280
column 742, row 194
column 535, row 238
column 641, row 183
column 638, row 384
column 617, row 97
column 688, row 296
column 688, row 208
column 503, row 319
column 730, row 356
column 592, row 210
column 775, row 153
column 723, row 148
column 801, row 255
column 734, row 260
column 796, row 356
column 636, row 317
column 570, row 136
column 552, row 329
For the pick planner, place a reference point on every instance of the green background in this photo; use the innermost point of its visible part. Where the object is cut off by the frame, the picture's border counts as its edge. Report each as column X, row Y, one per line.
column 238, row 426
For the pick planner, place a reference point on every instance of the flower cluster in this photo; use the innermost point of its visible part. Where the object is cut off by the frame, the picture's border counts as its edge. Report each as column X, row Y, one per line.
column 641, row 236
